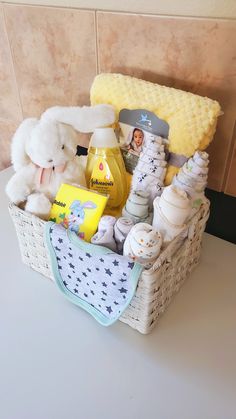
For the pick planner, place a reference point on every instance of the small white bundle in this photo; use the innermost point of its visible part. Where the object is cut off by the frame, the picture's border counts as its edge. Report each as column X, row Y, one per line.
column 121, row 229
column 150, row 171
column 171, row 211
column 143, row 244
column 192, row 178
column 104, row 235
column 137, row 207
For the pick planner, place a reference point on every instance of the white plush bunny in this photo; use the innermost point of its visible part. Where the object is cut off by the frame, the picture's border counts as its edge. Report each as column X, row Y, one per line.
column 44, row 154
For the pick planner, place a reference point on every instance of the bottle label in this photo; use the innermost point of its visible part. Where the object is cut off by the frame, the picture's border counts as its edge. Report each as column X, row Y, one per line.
column 101, row 179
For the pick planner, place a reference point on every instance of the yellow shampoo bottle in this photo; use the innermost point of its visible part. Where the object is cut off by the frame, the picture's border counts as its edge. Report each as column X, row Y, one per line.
column 105, row 170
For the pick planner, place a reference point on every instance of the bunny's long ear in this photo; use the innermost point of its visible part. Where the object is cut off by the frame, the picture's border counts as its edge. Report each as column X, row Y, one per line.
column 89, row 205
column 19, row 157
column 83, row 119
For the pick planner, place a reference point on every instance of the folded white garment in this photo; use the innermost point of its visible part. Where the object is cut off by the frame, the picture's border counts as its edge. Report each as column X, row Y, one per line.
column 104, row 236
column 196, row 177
column 167, row 230
column 149, row 183
column 158, row 154
column 151, row 169
column 153, row 139
column 121, row 229
column 197, row 197
column 194, row 181
column 136, row 219
column 137, row 206
column 178, row 182
column 201, row 158
column 137, row 203
column 149, row 159
column 143, row 244
column 174, row 204
column 192, row 167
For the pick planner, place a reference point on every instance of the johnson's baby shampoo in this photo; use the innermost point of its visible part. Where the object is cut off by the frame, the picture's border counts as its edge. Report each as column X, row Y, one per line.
column 105, row 171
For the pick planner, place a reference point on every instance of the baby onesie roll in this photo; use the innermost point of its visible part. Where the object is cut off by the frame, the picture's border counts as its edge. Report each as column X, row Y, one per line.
column 143, row 244
column 192, row 178
column 150, row 171
column 171, row 211
column 137, row 207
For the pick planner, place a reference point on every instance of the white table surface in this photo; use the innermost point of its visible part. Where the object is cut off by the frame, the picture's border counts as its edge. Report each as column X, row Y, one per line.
column 57, row 362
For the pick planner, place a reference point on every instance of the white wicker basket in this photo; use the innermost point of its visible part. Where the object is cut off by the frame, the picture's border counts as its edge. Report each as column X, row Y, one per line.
column 156, row 286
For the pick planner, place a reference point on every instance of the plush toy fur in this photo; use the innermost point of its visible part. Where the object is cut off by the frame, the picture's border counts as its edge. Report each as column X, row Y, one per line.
column 45, row 148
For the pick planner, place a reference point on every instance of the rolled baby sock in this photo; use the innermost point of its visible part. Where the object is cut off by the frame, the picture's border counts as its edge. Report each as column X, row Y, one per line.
column 105, row 233
column 121, row 229
column 143, row 244
column 137, row 207
column 171, row 211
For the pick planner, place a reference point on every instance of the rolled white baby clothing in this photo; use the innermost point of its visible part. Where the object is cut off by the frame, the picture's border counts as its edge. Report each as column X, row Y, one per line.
column 196, row 196
column 137, row 207
column 143, row 244
column 175, row 205
column 148, row 183
column 201, row 158
column 157, row 153
column 121, row 229
column 171, row 211
column 150, row 159
column 168, row 230
column 194, row 182
column 151, row 169
column 191, row 177
column 105, row 233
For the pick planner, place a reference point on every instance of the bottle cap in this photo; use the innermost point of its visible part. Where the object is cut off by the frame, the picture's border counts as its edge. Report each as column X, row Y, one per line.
column 104, row 138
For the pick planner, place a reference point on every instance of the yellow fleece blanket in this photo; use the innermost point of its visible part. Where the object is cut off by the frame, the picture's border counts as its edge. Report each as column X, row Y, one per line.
column 192, row 119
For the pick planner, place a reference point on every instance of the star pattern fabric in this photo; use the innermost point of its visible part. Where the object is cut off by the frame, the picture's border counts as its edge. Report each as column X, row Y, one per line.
column 95, row 278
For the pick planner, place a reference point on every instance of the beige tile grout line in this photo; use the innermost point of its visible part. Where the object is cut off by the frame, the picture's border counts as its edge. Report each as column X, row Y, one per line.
column 126, row 12
column 12, row 62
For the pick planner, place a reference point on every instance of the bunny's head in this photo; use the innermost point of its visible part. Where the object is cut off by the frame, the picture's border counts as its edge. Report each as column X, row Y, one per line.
column 77, row 213
column 51, row 140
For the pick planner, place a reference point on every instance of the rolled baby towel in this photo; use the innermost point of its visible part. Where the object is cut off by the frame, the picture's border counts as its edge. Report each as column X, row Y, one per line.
column 156, row 152
column 168, row 230
column 195, row 193
column 150, row 159
column 179, row 183
column 197, row 166
column 104, row 236
column 143, row 244
column 175, row 205
column 121, row 229
column 201, row 158
column 151, row 169
column 137, row 207
column 171, row 211
column 149, row 183
column 192, row 178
